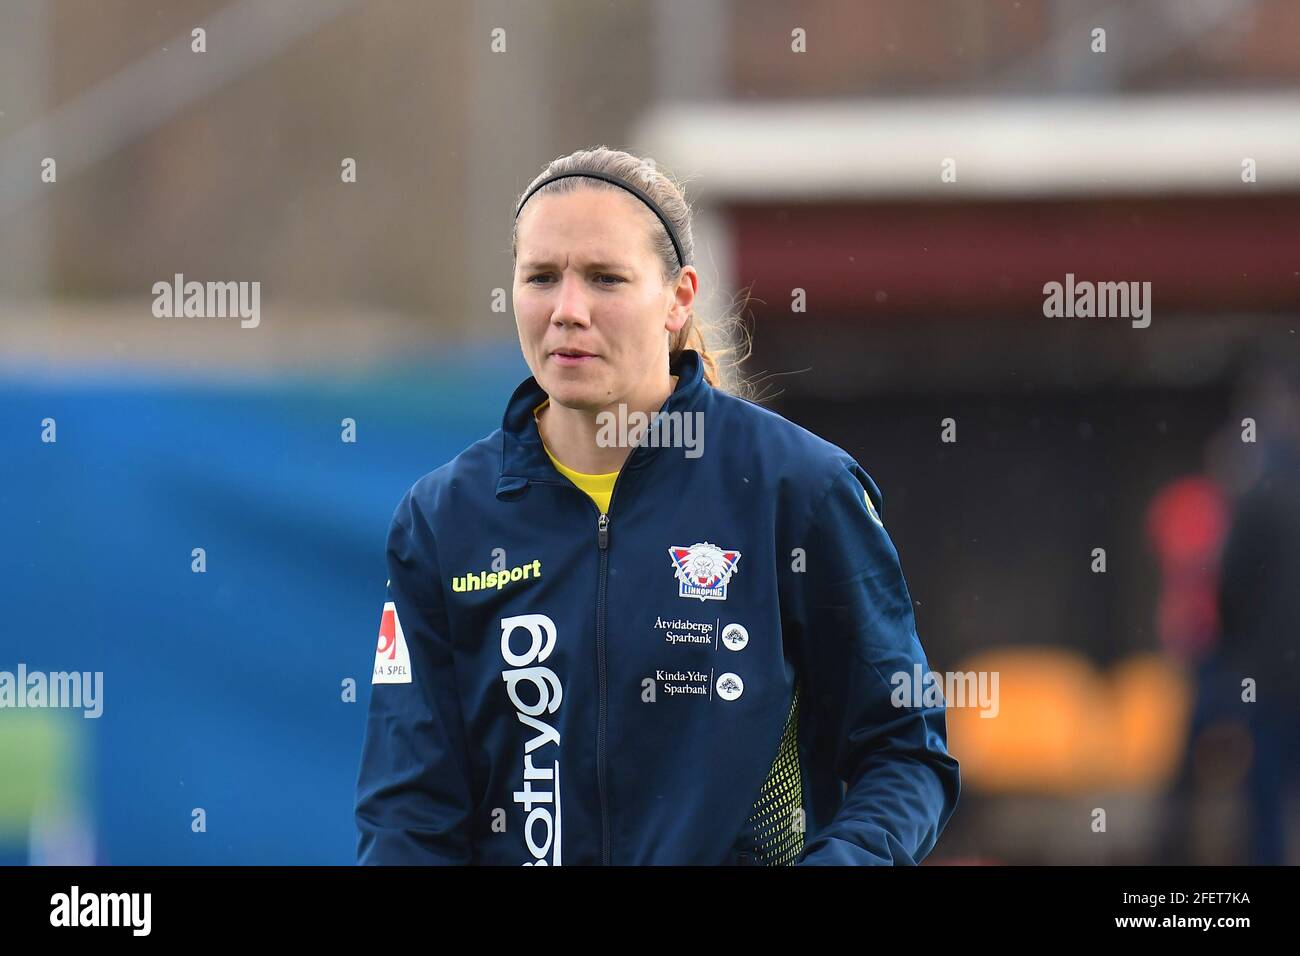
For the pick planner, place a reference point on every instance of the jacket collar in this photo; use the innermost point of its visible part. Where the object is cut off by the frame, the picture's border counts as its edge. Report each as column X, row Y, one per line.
column 524, row 458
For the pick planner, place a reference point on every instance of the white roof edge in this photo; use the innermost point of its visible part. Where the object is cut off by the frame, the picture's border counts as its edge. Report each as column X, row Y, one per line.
column 1002, row 147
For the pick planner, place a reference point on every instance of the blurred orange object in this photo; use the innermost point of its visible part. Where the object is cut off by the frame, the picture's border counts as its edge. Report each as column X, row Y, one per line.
column 1063, row 727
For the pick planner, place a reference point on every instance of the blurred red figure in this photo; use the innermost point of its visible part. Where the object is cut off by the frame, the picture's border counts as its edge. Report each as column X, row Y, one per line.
column 1187, row 523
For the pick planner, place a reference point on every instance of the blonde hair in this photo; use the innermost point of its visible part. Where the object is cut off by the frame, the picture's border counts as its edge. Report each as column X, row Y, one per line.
column 670, row 196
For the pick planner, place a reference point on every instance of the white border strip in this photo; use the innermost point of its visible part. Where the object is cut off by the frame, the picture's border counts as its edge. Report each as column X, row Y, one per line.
column 1002, row 147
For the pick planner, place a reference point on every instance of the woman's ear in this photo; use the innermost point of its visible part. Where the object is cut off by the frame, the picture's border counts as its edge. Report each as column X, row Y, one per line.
column 683, row 297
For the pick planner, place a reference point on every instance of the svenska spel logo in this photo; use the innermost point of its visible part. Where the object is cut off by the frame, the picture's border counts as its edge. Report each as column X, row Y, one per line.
column 392, row 659
column 703, row 570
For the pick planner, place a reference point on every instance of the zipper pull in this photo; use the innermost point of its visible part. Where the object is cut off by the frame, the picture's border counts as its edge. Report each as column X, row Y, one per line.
column 602, row 529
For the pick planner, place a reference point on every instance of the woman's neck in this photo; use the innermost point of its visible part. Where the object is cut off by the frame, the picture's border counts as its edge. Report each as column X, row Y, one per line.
column 574, row 434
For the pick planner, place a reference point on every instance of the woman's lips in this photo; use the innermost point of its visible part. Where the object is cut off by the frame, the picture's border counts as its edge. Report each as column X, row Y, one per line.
column 571, row 361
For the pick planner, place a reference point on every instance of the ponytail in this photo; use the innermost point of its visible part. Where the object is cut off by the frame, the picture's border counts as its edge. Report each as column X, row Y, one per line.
column 721, row 375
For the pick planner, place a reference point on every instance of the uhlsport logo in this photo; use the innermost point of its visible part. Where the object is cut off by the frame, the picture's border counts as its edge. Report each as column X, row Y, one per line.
column 703, row 570
column 485, row 580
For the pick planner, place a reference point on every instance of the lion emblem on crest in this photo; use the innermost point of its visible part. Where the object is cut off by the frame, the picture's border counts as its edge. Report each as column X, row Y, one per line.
column 703, row 570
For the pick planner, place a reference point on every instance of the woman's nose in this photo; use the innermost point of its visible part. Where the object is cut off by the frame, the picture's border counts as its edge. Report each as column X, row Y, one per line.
column 571, row 303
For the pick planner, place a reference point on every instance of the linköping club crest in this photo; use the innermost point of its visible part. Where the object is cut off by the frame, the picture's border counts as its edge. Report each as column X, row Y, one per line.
column 703, row 570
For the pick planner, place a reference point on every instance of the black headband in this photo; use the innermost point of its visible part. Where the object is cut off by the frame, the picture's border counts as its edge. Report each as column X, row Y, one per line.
column 622, row 184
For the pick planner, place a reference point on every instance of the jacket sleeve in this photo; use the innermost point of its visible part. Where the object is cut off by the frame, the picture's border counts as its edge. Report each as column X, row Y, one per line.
column 413, row 798
column 851, row 615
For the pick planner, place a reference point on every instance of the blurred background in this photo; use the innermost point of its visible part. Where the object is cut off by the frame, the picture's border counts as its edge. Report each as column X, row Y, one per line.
column 920, row 169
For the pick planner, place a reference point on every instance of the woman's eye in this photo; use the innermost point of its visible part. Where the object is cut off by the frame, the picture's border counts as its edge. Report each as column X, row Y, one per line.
column 617, row 280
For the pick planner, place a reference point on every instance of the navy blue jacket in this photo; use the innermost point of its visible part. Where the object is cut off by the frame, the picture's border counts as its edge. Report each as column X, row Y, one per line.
column 703, row 675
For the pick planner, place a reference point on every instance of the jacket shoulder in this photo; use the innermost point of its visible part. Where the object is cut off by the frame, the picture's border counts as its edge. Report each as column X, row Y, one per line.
column 473, row 470
column 792, row 464
column 780, row 445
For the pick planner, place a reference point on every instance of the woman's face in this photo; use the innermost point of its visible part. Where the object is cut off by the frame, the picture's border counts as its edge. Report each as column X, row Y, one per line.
column 586, row 281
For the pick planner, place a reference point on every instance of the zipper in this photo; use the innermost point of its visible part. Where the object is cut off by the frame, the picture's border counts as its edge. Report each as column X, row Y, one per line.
column 602, row 545
column 602, row 542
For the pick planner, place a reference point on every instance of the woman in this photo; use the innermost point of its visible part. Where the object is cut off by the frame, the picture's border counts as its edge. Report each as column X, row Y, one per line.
column 645, row 621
